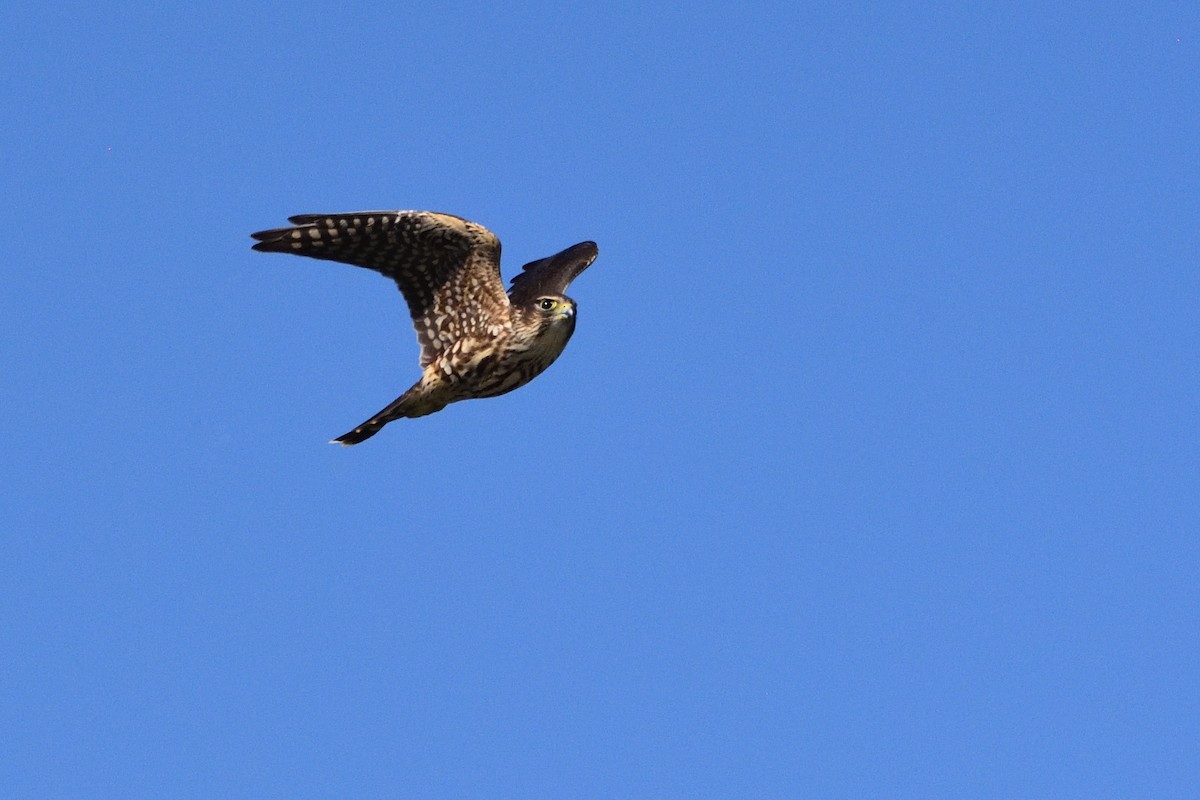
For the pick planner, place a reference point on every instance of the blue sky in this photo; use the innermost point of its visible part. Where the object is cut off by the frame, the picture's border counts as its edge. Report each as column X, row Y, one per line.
column 871, row 469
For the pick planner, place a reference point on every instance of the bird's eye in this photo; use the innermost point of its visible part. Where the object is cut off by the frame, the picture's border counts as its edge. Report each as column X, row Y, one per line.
column 546, row 304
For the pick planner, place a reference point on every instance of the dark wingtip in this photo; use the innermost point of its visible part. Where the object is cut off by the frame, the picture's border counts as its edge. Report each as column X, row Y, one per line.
column 589, row 248
column 552, row 274
column 271, row 241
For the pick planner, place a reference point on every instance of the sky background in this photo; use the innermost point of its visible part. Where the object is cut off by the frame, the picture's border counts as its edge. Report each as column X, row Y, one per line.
column 871, row 470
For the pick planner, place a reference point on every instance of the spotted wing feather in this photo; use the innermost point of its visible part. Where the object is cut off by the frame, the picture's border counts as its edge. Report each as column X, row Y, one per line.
column 447, row 268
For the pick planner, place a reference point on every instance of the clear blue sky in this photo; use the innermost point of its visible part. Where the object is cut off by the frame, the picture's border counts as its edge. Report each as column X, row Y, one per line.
column 871, row 471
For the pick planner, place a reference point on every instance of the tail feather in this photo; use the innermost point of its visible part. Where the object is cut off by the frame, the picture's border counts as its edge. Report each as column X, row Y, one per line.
column 413, row 403
column 359, row 434
column 394, row 410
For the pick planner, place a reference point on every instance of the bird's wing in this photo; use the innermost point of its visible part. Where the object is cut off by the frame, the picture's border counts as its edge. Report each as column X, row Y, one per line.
column 447, row 268
column 552, row 275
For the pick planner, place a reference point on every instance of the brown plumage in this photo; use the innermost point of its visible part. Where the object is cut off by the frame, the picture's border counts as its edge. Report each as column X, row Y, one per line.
column 476, row 340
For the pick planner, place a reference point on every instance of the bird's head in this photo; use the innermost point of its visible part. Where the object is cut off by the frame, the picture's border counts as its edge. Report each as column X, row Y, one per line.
column 547, row 318
column 554, row 308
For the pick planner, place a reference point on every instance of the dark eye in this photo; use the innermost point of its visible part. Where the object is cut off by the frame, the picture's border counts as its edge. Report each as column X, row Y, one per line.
column 546, row 304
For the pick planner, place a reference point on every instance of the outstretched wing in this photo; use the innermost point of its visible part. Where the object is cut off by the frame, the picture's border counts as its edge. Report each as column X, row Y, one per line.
column 447, row 268
column 552, row 275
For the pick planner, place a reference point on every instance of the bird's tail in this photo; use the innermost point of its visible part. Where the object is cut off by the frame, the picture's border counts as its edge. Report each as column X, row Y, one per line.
column 364, row 431
column 394, row 410
column 410, row 404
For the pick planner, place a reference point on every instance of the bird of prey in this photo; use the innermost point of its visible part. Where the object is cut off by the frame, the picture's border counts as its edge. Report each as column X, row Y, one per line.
column 476, row 339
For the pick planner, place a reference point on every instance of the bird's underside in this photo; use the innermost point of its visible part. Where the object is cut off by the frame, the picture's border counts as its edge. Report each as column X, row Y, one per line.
column 476, row 339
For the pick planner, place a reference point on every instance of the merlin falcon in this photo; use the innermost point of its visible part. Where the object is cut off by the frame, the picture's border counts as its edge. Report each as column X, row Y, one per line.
column 476, row 339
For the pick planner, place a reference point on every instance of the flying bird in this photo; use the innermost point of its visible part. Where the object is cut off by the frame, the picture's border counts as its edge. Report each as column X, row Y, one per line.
column 476, row 339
